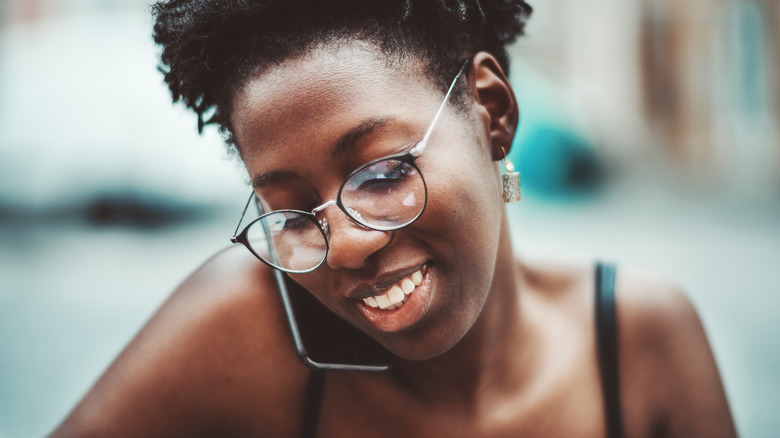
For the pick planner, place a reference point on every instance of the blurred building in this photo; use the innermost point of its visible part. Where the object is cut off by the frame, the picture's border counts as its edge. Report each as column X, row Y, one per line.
column 711, row 85
column 692, row 83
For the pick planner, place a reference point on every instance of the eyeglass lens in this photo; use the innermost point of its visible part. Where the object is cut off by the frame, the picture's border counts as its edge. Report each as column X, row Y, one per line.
column 287, row 240
column 385, row 195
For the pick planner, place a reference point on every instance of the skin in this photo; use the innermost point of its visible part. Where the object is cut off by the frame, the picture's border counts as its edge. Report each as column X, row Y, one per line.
column 501, row 348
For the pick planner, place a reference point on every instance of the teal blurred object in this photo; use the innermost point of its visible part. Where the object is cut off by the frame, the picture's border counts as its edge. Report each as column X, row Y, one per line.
column 555, row 162
column 552, row 150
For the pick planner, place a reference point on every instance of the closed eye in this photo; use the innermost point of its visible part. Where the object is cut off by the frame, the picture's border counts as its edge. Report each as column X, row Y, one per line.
column 381, row 175
column 297, row 223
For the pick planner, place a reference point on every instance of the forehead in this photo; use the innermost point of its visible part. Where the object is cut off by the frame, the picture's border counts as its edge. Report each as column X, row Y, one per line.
column 325, row 92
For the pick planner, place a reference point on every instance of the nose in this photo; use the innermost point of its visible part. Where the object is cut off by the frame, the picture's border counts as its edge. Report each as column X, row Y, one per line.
column 349, row 243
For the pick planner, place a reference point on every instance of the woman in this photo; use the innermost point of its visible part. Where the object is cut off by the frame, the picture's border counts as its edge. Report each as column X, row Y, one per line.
column 373, row 133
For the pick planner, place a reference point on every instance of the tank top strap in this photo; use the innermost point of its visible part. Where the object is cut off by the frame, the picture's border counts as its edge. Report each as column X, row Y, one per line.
column 607, row 347
column 312, row 403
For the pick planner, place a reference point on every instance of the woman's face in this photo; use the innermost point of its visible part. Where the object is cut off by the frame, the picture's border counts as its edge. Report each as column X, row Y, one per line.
column 303, row 126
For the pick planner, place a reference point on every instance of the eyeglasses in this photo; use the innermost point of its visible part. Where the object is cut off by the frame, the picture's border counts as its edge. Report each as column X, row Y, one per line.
column 385, row 194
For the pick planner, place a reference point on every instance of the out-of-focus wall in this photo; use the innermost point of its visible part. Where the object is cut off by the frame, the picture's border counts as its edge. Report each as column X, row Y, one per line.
column 694, row 84
column 86, row 123
column 710, row 87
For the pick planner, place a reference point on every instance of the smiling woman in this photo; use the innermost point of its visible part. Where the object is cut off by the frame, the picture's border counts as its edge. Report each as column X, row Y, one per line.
column 374, row 135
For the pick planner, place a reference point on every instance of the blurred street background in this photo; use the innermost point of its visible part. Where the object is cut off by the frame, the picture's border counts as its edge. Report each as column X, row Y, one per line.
column 649, row 136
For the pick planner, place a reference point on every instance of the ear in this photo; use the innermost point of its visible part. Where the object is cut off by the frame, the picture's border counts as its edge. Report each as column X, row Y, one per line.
column 497, row 106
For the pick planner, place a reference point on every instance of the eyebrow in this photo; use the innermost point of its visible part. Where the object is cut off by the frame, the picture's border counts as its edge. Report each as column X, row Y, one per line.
column 348, row 141
column 345, row 144
column 273, row 177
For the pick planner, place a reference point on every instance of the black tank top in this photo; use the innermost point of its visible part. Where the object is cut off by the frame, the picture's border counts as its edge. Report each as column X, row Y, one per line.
column 607, row 351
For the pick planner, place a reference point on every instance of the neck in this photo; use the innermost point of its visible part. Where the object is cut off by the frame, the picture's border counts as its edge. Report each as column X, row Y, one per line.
column 494, row 357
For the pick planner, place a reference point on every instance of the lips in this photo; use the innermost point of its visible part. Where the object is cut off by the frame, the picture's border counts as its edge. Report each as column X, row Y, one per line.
column 401, row 304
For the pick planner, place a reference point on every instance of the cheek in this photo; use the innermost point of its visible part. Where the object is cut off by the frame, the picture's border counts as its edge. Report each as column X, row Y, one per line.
column 463, row 224
column 464, row 187
column 464, row 207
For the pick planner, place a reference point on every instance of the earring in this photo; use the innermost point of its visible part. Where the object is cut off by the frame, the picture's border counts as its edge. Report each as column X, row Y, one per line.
column 511, row 180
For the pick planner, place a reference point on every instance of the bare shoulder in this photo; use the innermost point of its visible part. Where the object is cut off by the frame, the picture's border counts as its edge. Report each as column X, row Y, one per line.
column 670, row 382
column 216, row 359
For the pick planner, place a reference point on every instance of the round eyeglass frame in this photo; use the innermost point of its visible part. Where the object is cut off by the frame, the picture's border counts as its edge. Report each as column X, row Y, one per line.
column 406, row 157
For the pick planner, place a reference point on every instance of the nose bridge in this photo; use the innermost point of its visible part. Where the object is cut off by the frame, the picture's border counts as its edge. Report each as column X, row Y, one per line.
column 323, row 206
column 349, row 243
column 337, row 216
column 322, row 219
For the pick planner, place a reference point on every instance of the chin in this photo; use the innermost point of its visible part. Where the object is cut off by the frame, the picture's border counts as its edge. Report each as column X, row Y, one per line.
column 417, row 347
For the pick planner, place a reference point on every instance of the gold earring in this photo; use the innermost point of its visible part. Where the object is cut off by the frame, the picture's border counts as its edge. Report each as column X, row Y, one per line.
column 511, row 180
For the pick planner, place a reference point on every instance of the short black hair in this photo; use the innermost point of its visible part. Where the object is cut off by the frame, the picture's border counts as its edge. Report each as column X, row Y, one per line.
column 211, row 47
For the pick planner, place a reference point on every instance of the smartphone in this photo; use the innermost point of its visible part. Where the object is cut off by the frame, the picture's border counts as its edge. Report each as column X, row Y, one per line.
column 323, row 340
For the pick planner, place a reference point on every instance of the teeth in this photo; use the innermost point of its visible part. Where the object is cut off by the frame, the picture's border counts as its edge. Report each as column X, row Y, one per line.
column 407, row 285
column 397, row 294
column 383, row 301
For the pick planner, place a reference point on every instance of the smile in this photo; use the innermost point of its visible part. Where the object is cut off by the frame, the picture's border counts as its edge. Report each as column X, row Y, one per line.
column 396, row 296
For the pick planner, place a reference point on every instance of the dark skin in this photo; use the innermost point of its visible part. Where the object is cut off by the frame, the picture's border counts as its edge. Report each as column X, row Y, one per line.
column 501, row 348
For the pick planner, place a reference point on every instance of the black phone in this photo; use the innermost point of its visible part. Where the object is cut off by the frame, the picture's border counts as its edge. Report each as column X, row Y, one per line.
column 323, row 340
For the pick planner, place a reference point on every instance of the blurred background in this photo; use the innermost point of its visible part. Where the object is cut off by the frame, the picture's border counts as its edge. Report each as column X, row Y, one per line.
column 649, row 136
